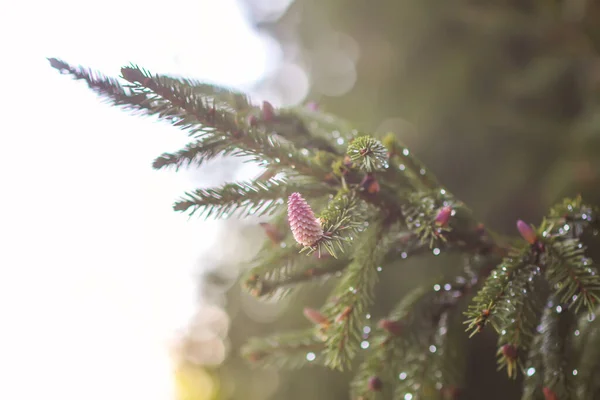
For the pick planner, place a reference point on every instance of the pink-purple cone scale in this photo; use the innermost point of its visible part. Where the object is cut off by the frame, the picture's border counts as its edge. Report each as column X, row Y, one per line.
column 303, row 223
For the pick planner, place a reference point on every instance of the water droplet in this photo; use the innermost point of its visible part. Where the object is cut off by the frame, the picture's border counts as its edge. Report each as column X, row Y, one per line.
column 422, row 171
column 576, row 333
column 402, row 376
column 437, row 287
column 530, row 371
column 447, row 287
column 408, row 396
column 443, row 191
column 436, row 251
column 364, row 344
column 379, row 269
column 401, row 167
column 368, row 316
column 503, row 332
column 283, row 245
column 438, row 385
column 340, row 141
column 351, row 289
column 304, row 152
column 558, row 309
column 277, row 160
column 591, row 317
column 367, row 329
column 432, row 348
column 574, row 372
column 405, row 152
column 584, row 217
column 566, row 228
column 403, row 254
column 310, row 356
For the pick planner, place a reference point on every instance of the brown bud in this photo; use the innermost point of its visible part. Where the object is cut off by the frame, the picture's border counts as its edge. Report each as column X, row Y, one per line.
column 450, row 392
column 370, row 184
column 393, row 327
column 344, row 314
column 510, row 352
column 315, row 316
column 375, row 384
column 549, row 394
column 268, row 111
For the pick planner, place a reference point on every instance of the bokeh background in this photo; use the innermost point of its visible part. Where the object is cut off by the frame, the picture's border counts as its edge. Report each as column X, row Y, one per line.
column 107, row 293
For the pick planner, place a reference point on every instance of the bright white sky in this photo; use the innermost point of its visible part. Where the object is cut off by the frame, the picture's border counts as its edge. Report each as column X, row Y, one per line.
column 89, row 290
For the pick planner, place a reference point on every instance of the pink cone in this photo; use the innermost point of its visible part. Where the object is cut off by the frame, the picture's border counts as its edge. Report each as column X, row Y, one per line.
column 303, row 223
column 527, row 232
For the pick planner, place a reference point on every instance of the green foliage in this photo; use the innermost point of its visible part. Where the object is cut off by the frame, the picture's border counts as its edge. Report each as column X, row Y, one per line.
column 378, row 205
column 349, row 301
column 369, row 153
column 341, row 220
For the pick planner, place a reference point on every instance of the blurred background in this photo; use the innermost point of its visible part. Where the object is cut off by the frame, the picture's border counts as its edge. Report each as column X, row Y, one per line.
column 105, row 292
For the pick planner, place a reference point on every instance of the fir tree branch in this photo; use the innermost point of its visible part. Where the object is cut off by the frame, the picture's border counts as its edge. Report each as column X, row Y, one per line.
column 196, row 153
column 344, row 216
column 246, row 198
column 202, row 116
column 108, row 88
column 515, row 318
column 573, row 275
column 587, row 380
column 388, row 345
column 350, row 300
column 289, row 350
column 427, row 367
column 557, row 326
column 533, row 381
column 494, row 290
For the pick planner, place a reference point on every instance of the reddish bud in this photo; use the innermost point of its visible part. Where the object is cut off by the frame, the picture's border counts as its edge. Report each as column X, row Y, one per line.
column 510, row 352
column 256, row 356
column 549, row 394
column 344, row 314
column 393, row 327
column 375, row 384
column 527, row 232
column 268, row 111
column 370, row 184
column 272, row 232
column 450, row 392
column 443, row 216
column 303, row 223
column 315, row 316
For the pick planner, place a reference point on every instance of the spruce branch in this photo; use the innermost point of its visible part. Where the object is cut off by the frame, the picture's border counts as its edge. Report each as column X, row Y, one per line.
column 587, row 367
column 341, row 220
column 108, row 88
column 246, row 198
column 349, row 302
column 484, row 305
column 197, row 153
column 288, row 350
column 388, row 345
column 573, row 275
column 427, row 364
column 515, row 318
column 533, row 381
column 557, row 327
column 201, row 115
